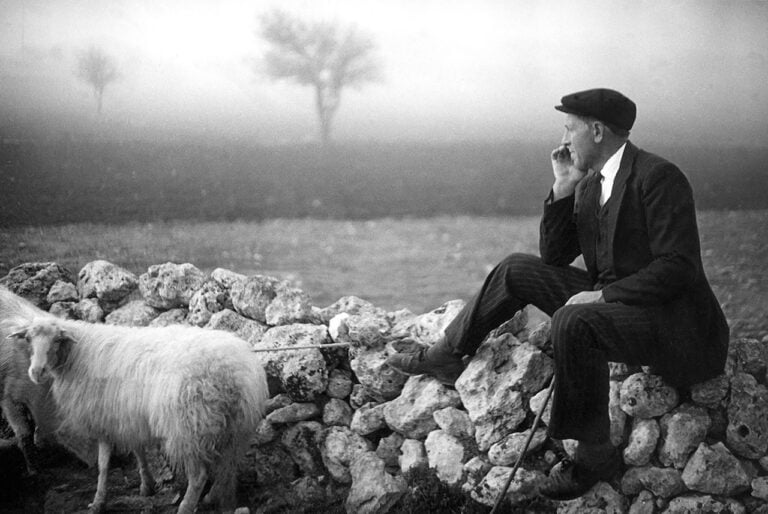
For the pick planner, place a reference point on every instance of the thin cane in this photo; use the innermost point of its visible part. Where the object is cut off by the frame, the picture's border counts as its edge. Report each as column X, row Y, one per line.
column 520, row 457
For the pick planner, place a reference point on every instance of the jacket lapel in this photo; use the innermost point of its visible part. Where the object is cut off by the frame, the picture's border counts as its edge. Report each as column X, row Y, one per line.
column 619, row 187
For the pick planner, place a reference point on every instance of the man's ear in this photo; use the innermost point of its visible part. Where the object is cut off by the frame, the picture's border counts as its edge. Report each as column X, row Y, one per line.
column 598, row 131
column 20, row 333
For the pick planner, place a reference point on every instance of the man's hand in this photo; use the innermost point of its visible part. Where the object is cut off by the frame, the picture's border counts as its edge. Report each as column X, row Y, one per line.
column 566, row 174
column 586, row 297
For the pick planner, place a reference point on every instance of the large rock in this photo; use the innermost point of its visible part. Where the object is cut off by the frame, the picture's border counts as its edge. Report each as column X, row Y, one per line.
column 446, row 455
column 428, row 328
column 747, row 432
column 133, row 314
column 62, row 291
column 350, row 305
column 170, row 285
column 642, row 441
column 368, row 419
column 33, row 280
column 207, row 301
column 373, row 491
column 497, row 383
column 339, row 447
column 647, row 396
column 339, row 383
column 290, row 305
column 749, row 356
column 601, row 498
column 507, row 450
column 455, row 422
column 303, row 374
column 108, row 283
column 379, row 380
column 412, row 412
column 662, row 482
column 711, row 393
column 247, row 329
column 252, row 296
column 689, row 504
column 413, row 455
column 523, row 487
column 715, row 470
column 88, row 310
column 171, row 317
column 681, row 432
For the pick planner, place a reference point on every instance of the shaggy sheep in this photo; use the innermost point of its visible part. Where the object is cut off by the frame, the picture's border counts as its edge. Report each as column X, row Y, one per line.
column 200, row 393
column 18, row 394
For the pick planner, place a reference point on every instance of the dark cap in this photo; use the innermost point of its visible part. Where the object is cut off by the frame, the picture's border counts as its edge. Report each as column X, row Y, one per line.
column 606, row 105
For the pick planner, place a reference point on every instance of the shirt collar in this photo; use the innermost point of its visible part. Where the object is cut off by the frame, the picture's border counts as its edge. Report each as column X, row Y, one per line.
column 611, row 166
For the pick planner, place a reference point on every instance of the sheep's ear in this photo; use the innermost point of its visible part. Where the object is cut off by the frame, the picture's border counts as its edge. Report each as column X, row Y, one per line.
column 18, row 334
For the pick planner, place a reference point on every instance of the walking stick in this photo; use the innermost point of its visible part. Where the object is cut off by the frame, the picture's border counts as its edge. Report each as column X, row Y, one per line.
column 520, row 457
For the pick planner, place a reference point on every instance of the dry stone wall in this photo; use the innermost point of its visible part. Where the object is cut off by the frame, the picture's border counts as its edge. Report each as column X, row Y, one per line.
column 340, row 422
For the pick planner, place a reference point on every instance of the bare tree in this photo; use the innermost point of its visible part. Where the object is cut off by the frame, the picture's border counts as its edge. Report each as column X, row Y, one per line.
column 98, row 69
column 323, row 55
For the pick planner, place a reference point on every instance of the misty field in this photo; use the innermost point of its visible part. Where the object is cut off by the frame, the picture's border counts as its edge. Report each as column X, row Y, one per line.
column 413, row 263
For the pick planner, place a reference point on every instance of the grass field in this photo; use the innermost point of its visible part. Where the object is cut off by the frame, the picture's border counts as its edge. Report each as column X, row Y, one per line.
column 414, row 263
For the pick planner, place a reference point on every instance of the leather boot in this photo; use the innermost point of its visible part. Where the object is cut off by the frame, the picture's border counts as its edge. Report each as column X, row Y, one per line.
column 570, row 479
column 438, row 361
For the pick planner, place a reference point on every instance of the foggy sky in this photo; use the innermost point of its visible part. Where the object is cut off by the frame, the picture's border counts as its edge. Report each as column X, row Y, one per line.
column 453, row 70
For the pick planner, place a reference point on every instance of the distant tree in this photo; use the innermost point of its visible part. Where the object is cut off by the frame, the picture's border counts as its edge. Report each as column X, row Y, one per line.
column 323, row 55
column 98, row 70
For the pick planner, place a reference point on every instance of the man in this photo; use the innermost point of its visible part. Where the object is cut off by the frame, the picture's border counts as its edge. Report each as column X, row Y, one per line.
column 643, row 298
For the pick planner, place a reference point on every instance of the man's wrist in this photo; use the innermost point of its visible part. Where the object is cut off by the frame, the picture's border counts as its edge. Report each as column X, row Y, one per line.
column 561, row 189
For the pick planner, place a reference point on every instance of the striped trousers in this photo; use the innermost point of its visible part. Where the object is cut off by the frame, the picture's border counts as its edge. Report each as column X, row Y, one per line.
column 584, row 337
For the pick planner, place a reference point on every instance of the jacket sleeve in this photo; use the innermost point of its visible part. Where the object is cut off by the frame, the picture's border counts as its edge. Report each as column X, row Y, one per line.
column 558, row 238
column 670, row 222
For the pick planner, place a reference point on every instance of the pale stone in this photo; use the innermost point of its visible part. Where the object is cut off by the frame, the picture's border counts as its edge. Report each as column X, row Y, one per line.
column 380, row 381
column 413, row 455
column 617, row 416
column 446, row 455
column 368, row 418
column 714, row 470
column 373, row 491
column 601, row 498
column 428, row 328
column 209, row 299
column 662, row 482
column 106, row 282
column 689, row 504
column 536, row 403
column 88, row 310
column 760, row 488
column 133, row 314
column 337, row 412
column 227, row 278
column 339, row 383
column 290, row 305
column 349, row 305
column 411, row 413
column 388, row 449
column 293, row 413
column 455, row 422
column 33, row 280
column 747, row 432
column 171, row 317
column 339, row 446
column 170, row 285
column 508, row 450
column 62, row 291
column 749, row 356
column 523, row 487
column 647, row 396
column 681, row 432
column 62, row 310
column 643, row 504
column 474, row 470
column 252, row 296
column 642, row 441
column 247, row 329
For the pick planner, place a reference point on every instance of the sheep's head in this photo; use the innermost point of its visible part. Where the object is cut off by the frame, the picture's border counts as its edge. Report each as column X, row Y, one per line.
column 47, row 342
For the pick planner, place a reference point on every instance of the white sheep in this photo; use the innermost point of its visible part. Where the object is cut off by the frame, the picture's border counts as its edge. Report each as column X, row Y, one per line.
column 18, row 394
column 200, row 393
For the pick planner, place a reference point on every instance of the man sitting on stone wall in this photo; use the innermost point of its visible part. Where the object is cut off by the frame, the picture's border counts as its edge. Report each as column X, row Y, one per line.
column 643, row 299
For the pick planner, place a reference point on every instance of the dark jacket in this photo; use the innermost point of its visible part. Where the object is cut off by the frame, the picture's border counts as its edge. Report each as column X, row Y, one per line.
column 656, row 258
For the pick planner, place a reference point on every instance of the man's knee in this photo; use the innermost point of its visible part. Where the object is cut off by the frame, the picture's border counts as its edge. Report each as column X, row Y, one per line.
column 570, row 323
column 518, row 264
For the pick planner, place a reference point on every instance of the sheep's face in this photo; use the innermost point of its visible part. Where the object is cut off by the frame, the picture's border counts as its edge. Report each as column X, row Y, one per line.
column 45, row 338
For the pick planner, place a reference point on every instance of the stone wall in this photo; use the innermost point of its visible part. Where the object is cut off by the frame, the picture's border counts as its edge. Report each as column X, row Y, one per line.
column 340, row 423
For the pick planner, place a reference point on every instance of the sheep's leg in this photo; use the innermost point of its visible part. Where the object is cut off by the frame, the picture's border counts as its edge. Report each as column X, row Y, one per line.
column 16, row 417
column 224, row 488
column 100, row 500
column 196, row 477
column 147, row 482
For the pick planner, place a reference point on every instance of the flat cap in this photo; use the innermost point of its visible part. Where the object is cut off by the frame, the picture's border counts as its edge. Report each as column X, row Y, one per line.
column 606, row 105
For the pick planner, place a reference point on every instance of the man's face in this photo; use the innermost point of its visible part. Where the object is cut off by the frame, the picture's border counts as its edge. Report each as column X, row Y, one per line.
column 579, row 139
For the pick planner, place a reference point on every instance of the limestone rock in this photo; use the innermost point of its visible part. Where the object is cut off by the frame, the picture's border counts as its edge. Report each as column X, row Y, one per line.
column 171, row 317
column 379, row 380
column 536, row 402
column 293, row 413
column 349, row 305
column 714, row 470
column 252, row 296
column 411, row 413
column 662, row 482
column 760, row 488
column 747, row 432
column 368, row 330
column 642, row 441
column 368, row 418
column 507, row 450
column 710, row 393
column 475, row 470
column 303, row 374
column 209, row 299
column 388, row 450
column 265, row 432
column 647, row 396
column 303, row 441
column 247, row 329
column 227, row 278
column 428, row 328
column 703, row 503
column 33, row 280
column 522, row 488
column 455, row 422
column 496, row 383
column 601, row 498
column 373, row 491
column 337, row 412
column 644, row 503
column 170, row 285
column 339, row 383
column 133, row 314
column 62, row 291
column 749, row 356
column 413, row 455
column 681, row 432
column 108, row 283
column 290, row 305
column 446, row 455
column 62, row 310
column 339, row 447
column 88, row 310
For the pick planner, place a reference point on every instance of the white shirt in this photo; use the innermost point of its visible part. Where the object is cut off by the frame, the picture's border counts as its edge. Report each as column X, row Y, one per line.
column 609, row 171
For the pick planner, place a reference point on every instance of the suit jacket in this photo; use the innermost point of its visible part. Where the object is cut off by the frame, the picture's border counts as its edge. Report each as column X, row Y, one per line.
column 656, row 257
